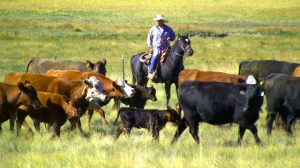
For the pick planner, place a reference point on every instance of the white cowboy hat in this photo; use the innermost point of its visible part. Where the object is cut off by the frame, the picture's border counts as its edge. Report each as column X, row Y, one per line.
column 160, row 17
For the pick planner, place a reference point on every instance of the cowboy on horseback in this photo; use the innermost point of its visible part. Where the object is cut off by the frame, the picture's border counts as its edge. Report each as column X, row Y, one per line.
column 158, row 39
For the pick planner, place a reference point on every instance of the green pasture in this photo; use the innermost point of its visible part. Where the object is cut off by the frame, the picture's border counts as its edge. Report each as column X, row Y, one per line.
column 94, row 29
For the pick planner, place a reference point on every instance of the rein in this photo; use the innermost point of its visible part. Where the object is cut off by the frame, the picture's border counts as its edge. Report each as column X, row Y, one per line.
column 184, row 49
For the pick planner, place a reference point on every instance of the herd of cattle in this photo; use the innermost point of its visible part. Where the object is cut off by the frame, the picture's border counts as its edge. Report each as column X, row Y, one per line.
column 54, row 91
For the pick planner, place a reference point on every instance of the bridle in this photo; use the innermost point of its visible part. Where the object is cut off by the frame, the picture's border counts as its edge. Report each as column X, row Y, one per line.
column 183, row 48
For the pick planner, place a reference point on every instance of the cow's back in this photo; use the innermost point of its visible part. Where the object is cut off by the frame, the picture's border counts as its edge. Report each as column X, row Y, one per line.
column 209, row 76
column 37, row 65
column 262, row 68
column 39, row 82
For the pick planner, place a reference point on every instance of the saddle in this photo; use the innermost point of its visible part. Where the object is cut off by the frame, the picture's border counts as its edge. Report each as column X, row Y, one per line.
column 146, row 58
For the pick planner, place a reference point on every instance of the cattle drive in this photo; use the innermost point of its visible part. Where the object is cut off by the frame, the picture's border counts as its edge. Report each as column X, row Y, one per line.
column 53, row 91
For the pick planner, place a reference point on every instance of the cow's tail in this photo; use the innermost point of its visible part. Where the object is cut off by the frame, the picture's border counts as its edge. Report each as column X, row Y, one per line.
column 115, row 122
column 29, row 64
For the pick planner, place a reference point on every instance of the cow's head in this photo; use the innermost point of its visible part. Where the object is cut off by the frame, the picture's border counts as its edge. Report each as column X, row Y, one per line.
column 95, row 91
column 172, row 115
column 98, row 67
column 127, row 90
column 151, row 93
column 28, row 95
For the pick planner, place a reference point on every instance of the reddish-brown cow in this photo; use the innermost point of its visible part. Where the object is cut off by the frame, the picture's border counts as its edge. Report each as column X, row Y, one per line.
column 12, row 96
column 210, row 76
column 55, row 111
column 112, row 88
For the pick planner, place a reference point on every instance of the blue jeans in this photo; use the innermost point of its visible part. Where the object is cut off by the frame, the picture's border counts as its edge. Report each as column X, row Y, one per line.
column 154, row 59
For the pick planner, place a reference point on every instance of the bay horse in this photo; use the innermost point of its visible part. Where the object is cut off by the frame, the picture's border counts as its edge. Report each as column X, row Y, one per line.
column 168, row 71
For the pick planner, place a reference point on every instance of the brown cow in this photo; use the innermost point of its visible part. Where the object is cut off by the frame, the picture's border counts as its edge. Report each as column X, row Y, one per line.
column 114, row 89
column 210, row 76
column 296, row 72
column 12, row 96
column 55, row 111
column 75, row 90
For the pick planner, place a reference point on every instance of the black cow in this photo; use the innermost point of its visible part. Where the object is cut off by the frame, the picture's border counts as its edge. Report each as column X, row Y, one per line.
column 219, row 103
column 140, row 97
column 262, row 68
column 283, row 98
column 38, row 65
column 153, row 120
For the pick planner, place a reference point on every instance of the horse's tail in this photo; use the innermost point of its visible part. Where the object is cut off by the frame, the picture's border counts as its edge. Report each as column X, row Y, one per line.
column 136, row 68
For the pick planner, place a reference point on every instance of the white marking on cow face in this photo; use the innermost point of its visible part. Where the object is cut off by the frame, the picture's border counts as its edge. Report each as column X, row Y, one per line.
column 251, row 80
column 127, row 90
column 95, row 92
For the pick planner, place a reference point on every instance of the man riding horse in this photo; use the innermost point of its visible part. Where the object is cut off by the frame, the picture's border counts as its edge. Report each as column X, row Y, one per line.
column 158, row 39
column 168, row 71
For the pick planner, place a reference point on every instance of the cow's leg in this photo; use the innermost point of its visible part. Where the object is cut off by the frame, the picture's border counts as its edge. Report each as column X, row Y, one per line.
column 181, row 127
column 102, row 116
column 241, row 134
column 88, row 117
column 194, row 125
column 120, row 130
column 12, row 121
column 36, row 124
column 270, row 119
column 253, row 129
column 56, row 128
column 20, row 120
column 168, row 94
column 289, row 122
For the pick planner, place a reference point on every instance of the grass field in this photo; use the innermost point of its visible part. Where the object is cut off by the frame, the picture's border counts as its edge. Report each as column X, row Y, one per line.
column 81, row 30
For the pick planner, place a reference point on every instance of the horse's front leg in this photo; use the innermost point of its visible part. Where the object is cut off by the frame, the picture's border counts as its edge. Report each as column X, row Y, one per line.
column 168, row 94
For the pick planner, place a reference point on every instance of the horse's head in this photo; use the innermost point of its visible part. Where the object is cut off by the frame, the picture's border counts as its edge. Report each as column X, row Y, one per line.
column 185, row 44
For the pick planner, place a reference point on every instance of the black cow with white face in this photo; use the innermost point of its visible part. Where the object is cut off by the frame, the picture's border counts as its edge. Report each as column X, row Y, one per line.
column 260, row 69
column 140, row 97
column 219, row 103
column 283, row 98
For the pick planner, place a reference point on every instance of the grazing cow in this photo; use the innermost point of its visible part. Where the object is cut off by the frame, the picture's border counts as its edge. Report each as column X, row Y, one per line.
column 219, row 103
column 296, row 72
column 12, row 96
column 77, row 91
column 262, row 68
column 283, row 98
column 38, row 65
column 209, row 76
column 115, row 89
column 55, row 111
column 140, row 97
column 153, row 120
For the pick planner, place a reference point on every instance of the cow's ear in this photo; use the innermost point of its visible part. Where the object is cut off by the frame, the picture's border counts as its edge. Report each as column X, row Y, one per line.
column 169, row 107
column 89, row 64
column 21, row 86
column 27, row 83
column 103, row 61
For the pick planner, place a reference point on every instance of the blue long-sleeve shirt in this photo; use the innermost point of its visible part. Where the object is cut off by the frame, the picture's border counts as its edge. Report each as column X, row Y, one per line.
column 157, row 36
